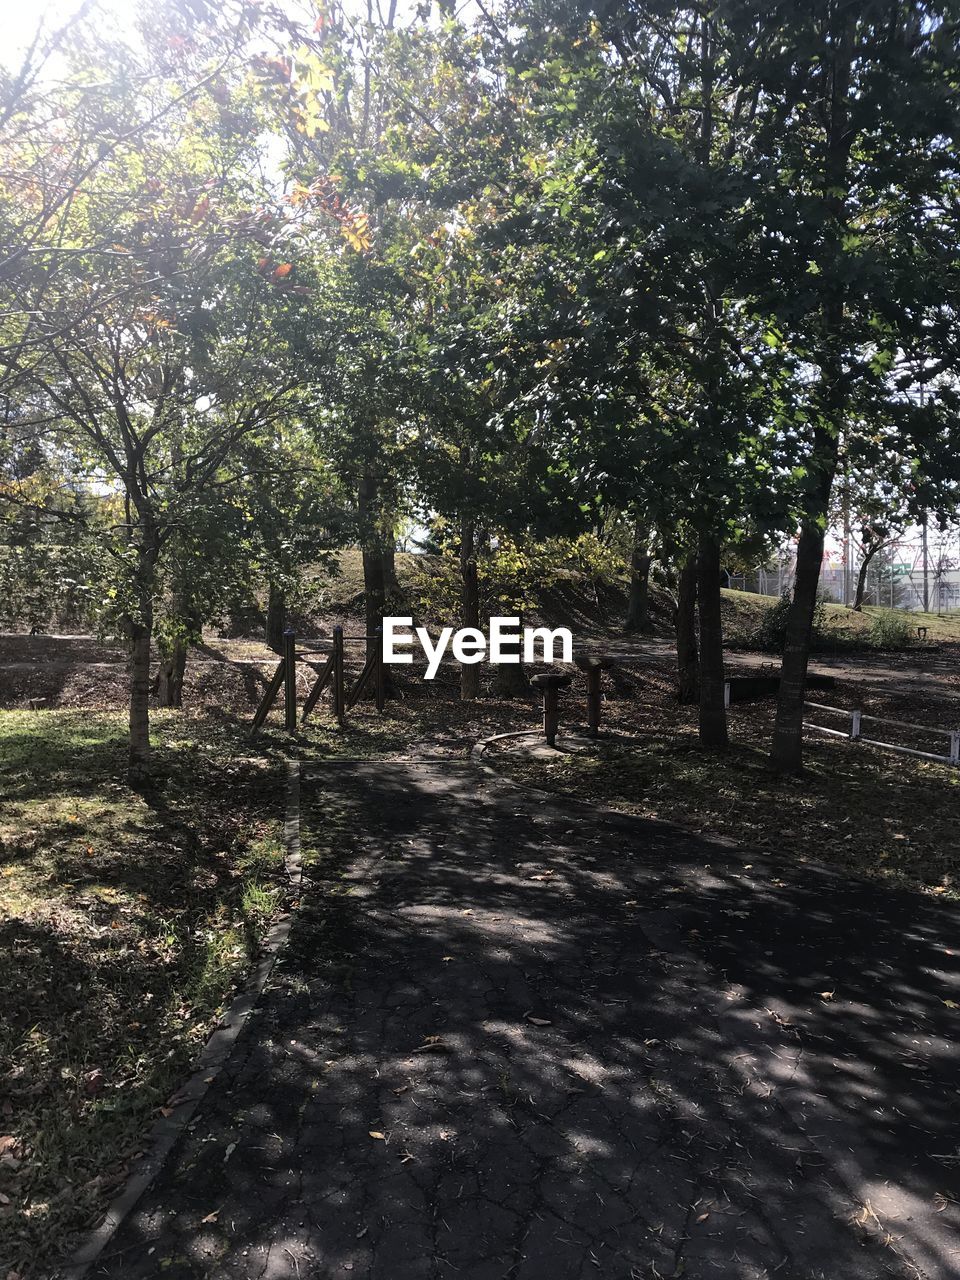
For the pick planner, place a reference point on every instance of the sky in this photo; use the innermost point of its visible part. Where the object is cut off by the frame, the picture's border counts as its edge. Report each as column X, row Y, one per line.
column 19, row 18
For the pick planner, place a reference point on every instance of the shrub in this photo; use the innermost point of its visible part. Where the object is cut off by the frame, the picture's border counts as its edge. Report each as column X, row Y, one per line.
column 889, row 630
column 771, row 631
column 770, row 634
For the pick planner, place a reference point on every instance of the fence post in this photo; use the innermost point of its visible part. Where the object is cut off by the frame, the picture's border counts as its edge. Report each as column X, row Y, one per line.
column 339, row 693
column 855, row 725
column 290, row 680
column 955, row 746
column 378, row 672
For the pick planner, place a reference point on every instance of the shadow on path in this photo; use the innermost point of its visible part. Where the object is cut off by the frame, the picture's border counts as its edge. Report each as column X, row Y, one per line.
column 514, row 1040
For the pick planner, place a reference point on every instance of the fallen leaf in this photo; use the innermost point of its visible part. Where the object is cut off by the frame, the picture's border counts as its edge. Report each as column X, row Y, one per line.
column 951, row 1004
column 703, row 1217
column 538, row 1022
column 375, row 1133
column 211, row 1217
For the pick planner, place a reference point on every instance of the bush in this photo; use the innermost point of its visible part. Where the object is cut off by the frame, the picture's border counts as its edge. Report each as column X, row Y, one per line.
column 770, row 634
column 771, row 631
column 889, row 630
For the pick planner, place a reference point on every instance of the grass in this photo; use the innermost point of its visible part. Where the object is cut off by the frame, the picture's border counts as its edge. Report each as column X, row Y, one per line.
column 888, row 817
column 743, row 611
column 126, row 922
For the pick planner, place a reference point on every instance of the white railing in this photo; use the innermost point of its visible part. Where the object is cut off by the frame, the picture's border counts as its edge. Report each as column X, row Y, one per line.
column 858, row 718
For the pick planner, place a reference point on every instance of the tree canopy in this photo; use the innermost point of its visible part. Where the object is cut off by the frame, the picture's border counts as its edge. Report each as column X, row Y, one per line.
column 275, row 281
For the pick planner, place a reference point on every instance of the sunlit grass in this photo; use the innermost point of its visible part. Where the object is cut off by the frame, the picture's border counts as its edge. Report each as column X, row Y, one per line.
column 126, row 922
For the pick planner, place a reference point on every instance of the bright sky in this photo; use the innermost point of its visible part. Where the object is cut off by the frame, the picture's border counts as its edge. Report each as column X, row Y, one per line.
column 18, row 22
column 19, row 18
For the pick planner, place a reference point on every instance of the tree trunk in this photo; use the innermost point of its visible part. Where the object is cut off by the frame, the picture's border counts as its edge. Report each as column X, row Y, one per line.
column 374, row 592
column 688, row 660
column 469, row 606
column 713, row 715
column 787, row 753
column 173, row 668
column 509, row 678
column 638, row 603
column 139, row 751
column 862, row 578
column 390, row 568
column 276, row 618
column 787, row 750
column 374, row 575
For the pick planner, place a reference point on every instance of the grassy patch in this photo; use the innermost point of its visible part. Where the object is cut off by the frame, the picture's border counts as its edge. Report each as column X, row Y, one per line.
column 743, row 613
column 885, row 816
column 125, row 924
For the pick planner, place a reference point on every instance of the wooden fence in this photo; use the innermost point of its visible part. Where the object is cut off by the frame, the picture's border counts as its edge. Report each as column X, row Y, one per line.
column 330, row 673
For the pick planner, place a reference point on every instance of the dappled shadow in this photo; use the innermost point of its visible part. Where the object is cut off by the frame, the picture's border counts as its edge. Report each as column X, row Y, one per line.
column 859, row 987
column 489, row 1051
column 81, row 759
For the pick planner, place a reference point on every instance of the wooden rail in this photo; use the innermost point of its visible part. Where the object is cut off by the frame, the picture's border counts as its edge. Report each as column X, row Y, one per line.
column 331, row 673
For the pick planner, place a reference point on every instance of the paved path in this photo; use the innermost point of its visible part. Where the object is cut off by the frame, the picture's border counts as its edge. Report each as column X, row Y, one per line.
column 514, row 1040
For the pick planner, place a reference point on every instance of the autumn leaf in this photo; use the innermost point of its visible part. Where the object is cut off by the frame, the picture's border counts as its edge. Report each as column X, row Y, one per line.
column 282, row 270
column 375, row 1133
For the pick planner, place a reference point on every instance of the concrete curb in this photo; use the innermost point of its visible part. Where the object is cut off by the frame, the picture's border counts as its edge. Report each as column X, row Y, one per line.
column 167, row 1131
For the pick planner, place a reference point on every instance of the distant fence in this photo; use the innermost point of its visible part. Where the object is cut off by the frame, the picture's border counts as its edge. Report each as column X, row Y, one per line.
column 854, row 733
column 897, row 587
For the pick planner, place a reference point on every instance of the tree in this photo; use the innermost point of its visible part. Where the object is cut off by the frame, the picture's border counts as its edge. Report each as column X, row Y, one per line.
column 146, row 362
column 855, row 122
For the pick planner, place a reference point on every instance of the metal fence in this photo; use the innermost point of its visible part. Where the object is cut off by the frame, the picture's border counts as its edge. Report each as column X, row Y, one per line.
column 896, row 587
column 854, row 733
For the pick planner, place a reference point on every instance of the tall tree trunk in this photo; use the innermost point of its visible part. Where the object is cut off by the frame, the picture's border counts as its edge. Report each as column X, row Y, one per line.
column 173, row 668
column 509, row 678
column 688, row 660
column 469, row 605
column 276, row 617
column 390, row 568
column 787, row 753
column 713, row 715
column 374, row 574
column 862, row 577
column 787, row 749
column 638, row 602
column 861, row 585
column 140, row 630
